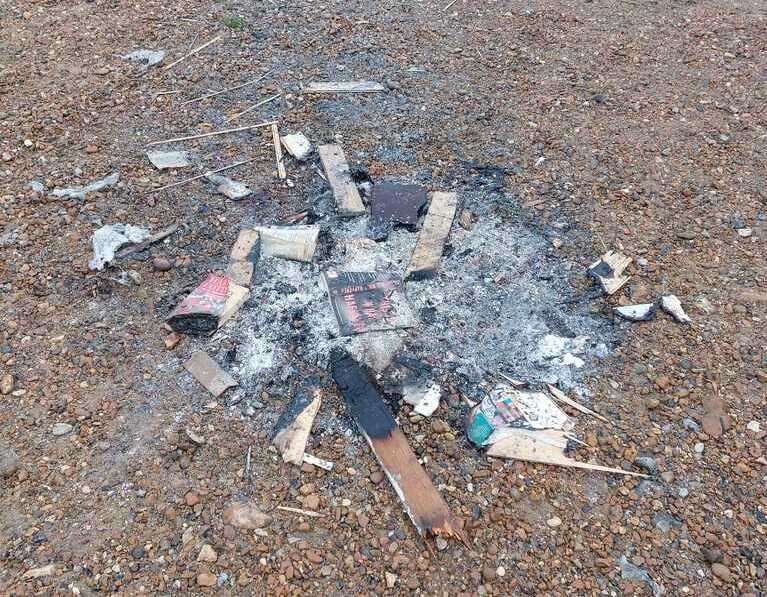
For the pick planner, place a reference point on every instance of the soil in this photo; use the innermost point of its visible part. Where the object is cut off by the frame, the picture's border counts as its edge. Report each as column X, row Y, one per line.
column 579, row 126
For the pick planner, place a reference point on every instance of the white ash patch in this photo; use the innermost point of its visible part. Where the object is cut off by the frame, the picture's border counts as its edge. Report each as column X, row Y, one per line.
column 500, row 302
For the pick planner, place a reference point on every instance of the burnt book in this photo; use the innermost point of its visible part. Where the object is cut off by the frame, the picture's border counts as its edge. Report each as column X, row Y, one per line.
column 200, row 311
column 368, row 301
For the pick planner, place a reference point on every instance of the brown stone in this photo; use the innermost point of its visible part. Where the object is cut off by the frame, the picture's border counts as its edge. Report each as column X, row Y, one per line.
column 206, row 579
column 721, row 571
column 712, row 426
column 191, row 498
column 244, row 515
column 312, row 502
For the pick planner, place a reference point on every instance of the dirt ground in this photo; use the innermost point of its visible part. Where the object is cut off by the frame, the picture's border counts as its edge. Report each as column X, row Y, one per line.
column 635, row 125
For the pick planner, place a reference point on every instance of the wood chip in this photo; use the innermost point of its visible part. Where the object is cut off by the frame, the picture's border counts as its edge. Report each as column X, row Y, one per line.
column 314, row 461
column 609, row 271
column 295, row 424
column 209, row 374
column 309, row 513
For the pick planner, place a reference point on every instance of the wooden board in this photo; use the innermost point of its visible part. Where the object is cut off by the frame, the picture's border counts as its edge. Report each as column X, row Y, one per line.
column 240, row 272
column 237, row 297
column 436, row 227
column 209, row 374
column 245, row 247
column 423, row 503
column 526, row 446
column 344, row 87
column 348, row 200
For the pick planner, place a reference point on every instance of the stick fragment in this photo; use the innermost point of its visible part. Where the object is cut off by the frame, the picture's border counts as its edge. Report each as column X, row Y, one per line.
column 278, row 153
column 203, row 175
column 212, row 134
column 193, row 52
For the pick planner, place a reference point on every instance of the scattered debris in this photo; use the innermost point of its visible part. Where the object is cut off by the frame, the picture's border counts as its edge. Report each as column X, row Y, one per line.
column 236, row 87
column 631, row 572
column 673, row 306
column 348, row 200
column 146, row 57
column 297, row 145
column 200, row 311
column 80, row 192
column 107, row 239
column 230, row 188
column 294, row 425
column 754, row 426
column 344, row 87
column 423, row 395
column 300, row 511
column 423, row 503
column 525, row 425
column 192, row 52
column 436, row 227
column 297, row 243
column 557, row 394
column 321, row 463
column 203, row 175
column 744, row 232
column 154, row 238
column 169, row 159
column 209, row 374
column 253, row 107
column 506, row 407
column 394, row 204
column 609, row 271
column 47, row 570
column 368, row 301
column 212, row 133
column 644, row 312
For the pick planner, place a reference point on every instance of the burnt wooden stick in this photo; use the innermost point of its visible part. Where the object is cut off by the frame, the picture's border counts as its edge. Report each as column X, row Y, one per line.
column 423, row 503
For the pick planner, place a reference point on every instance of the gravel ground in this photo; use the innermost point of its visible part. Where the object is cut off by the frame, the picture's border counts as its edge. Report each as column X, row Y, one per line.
column 620, row 124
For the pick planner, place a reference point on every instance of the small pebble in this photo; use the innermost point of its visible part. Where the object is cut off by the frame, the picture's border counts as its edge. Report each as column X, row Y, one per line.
column 161, row 264
column 61, row 429
column 753, row 426
column 441, row 544
column 554, row 521
column 699, row 447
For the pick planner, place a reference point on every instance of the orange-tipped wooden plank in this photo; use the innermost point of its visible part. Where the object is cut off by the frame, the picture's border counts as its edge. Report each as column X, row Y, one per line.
column 423, row 503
